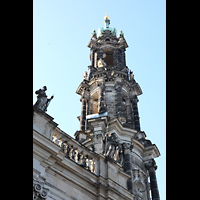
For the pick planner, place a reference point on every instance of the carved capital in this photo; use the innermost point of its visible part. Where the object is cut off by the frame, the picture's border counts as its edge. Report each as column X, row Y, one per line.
column 127, row 147
column 85, row 95
column 150, row 164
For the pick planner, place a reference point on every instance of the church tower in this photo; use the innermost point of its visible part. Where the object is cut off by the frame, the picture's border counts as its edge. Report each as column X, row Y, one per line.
column 110, row 157
column 109, row 120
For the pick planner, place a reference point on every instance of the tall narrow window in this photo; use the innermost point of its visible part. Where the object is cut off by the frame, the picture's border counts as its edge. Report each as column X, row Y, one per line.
column 108, row 58
column 94, row 102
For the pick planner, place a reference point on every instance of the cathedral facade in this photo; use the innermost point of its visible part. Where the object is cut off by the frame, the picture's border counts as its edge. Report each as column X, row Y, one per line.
column 110, row 157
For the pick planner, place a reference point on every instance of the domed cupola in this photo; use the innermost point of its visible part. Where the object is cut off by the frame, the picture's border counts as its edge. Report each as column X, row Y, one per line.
column 108, row 48
column 106, row 30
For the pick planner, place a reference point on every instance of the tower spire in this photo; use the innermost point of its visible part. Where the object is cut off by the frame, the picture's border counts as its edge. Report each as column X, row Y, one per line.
column 106, row 21
column 106, row 16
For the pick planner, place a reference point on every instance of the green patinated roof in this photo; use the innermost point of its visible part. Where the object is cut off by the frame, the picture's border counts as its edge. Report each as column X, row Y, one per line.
column 106, row 28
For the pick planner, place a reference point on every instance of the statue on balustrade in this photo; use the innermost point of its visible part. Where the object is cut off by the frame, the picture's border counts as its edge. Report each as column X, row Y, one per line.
column 42, row 101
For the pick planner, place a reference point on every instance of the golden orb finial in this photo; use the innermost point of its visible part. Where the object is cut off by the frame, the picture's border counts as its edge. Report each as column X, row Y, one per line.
column 106, row 17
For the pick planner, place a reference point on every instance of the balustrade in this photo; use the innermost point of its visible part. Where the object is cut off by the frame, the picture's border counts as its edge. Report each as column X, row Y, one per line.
column 74, row 152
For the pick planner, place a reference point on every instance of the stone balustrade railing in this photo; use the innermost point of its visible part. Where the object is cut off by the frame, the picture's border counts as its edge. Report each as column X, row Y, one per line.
column 69, row 151
column 74, row 150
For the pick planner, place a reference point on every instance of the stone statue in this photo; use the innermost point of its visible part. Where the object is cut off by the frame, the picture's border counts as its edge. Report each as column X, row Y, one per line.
column 113, row 148
column 110, row 150
column 94, row 34
column 118, row 152
column 131, row 75
column 42, row 100
column 101, row 63
column 85, row 75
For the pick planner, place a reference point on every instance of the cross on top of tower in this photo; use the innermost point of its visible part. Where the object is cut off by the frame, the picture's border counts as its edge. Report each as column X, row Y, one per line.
column 106, row 17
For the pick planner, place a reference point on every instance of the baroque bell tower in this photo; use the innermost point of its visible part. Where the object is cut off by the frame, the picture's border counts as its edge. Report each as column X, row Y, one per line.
column 109, row 120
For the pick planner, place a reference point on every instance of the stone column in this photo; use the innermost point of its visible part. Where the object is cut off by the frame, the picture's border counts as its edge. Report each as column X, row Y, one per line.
column 127, row 166
column 115, row 58
column 90, row 105
column 83, row 114
column 130, row 121
column 136, row 114
column 123, row 58
column 92, row 57
column 151, row 167
column 118, row 88
column 87, row 111
column 101, row 103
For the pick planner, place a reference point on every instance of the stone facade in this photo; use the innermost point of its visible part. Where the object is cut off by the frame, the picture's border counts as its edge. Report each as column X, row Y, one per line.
column 63, row 168
column 110, row 157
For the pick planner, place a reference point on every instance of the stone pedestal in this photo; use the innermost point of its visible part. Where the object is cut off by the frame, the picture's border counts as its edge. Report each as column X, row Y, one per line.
column 99, row 124
column 80, row 136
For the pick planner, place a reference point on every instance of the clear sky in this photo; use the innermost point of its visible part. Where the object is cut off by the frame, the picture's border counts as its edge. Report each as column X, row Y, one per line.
column 61, row 32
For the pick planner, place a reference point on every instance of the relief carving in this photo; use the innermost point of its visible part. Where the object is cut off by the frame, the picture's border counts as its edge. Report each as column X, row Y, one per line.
column 39, row 192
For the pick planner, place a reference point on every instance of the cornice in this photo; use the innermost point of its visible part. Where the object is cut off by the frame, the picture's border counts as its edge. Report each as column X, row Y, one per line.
column 83, row 85
column 46, row 116
column 153, row 150
column 123, row 131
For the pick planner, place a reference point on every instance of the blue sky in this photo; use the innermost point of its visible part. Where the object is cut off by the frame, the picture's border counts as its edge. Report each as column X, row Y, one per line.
column 61, row 32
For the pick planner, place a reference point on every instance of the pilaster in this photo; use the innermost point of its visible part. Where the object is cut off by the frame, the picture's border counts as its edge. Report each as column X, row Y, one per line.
column 127, row 147
column 118, row 88
column 101, row 106
column 83, row 114
column 136, row 114
column 130, row 122
column 98, row 124
column 123, row 58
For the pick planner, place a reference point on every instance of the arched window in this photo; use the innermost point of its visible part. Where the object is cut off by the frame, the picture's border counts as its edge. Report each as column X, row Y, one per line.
column 108, row 57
